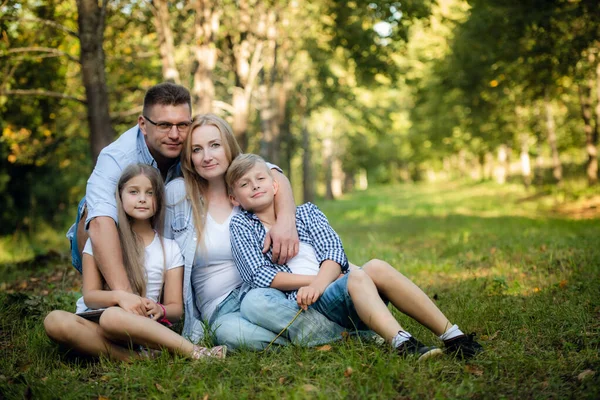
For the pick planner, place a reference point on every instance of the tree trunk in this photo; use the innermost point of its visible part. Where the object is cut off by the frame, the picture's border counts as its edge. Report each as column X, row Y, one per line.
column 591, row 133
column 597, row 126
column 525, row 160
column 245, row 54
column 268, row 93
column 328, row 160
column 501, row 171
column 165, row 41
column 205, row 50
column 556, row 165
column 91, row 18
column 308, row 184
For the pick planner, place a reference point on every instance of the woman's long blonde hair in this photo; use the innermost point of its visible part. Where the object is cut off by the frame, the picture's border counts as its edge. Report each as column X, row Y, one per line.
column 132, row 245
column 195, row 185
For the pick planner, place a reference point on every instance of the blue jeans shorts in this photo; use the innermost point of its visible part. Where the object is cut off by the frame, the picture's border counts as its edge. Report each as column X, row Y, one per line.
column 335, row 303
column 72, row 236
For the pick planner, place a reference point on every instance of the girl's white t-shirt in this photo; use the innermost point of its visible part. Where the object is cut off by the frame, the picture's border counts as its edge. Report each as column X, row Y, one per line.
column 214, row 274
column 156, row 265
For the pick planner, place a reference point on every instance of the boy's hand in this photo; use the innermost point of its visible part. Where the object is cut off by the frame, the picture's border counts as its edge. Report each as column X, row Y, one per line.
column 283, row 237
column 153, row 310
column 131, row 303
column 307, row 295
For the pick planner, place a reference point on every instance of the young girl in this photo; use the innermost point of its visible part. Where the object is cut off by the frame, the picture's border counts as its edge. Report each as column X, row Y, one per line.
column 132, row 318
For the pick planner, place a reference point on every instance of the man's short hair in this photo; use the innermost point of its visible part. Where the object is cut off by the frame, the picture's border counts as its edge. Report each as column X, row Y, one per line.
column 166, row 94
column 240, row 166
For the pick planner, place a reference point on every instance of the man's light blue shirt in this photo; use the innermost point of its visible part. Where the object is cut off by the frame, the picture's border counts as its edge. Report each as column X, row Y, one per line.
column 129, row 148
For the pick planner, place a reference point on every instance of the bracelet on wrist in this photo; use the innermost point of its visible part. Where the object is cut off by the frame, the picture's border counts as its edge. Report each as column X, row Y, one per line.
column 163, row 319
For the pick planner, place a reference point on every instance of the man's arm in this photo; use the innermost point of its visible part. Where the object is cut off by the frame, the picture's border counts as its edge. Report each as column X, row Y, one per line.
column 283, row 236
column 108, row 253
column 101, row 220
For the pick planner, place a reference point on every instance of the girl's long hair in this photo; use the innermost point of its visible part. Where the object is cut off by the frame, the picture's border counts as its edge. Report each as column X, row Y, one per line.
column 132, row 245
column 196, row 186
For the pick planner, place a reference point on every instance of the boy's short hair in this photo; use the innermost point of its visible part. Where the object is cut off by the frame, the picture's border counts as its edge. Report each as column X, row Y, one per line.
column 166, row 94
column 241, row 165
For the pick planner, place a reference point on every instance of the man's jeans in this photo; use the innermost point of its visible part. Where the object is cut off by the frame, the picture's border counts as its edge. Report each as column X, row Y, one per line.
column 271, row 309
column 72, row 236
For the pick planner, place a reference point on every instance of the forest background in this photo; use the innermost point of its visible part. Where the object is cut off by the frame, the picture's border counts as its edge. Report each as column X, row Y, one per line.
column 339, row 94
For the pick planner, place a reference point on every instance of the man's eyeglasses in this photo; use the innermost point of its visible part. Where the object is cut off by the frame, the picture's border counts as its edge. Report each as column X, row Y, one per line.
column 166, row 126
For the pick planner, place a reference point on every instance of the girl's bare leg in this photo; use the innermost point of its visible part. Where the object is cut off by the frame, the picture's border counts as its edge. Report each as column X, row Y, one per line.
column 82, row 335
column 406, row 296
column 122, row 325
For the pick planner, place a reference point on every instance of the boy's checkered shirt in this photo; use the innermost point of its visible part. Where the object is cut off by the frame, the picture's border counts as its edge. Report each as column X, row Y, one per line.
column 257, row 269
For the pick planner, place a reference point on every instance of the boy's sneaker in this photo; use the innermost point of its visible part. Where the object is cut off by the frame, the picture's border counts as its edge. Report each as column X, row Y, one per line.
column 463, row 347
column 412, row 347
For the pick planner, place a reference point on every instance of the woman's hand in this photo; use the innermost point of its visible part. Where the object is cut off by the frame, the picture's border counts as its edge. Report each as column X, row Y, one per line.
column 307, row 295
column 131, row 303
column 153, row 310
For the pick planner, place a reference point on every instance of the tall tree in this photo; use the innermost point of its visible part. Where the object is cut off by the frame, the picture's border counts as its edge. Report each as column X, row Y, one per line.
column 91, row 18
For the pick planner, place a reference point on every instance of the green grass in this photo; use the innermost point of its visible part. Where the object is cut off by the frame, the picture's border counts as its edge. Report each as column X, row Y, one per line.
column 496, row 260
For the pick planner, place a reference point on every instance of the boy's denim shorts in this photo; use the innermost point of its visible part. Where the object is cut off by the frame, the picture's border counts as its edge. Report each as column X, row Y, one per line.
column 335, row 303
column 72, row 236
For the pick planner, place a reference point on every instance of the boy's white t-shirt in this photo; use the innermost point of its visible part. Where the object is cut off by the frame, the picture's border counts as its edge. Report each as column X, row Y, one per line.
column 305, row 262
column 155, row 265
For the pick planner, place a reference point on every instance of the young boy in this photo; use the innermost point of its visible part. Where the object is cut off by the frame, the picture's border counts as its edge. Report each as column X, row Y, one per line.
column 318, row 276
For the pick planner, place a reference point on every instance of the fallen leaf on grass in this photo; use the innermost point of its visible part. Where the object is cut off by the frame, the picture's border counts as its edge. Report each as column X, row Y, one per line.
column 563, row 284
column 300, row 364
column 348, row 372
column 44, row 379
column 325, row 347
column 472, row 369
column 345, row 336
column 159, row 387
column 490, row 337
column 309, row 388
column 493, row 250
column 282, row 380
column 205, row 397
column 102, row 398
column 585, row 374
column 104, row 378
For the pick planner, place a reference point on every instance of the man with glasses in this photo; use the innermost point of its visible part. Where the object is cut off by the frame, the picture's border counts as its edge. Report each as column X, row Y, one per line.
column 156, row 140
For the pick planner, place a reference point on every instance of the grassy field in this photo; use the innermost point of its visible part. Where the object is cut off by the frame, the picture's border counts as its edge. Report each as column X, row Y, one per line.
column 497, row 260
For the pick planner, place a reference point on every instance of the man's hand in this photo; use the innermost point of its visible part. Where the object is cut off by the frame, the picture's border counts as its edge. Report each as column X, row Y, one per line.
column 131, row 303
column 307, row 295
column 153, row 310
column 283, row 237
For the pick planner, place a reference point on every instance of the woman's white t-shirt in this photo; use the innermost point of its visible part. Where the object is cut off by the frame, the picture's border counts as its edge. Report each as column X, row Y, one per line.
column 156, row 265
column 214, row 274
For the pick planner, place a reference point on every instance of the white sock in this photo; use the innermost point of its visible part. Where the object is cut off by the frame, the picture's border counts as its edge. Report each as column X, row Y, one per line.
column 401, row 337
column 451, row 333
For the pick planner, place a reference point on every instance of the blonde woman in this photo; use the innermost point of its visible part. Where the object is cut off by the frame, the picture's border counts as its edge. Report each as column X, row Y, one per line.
column 198, row 216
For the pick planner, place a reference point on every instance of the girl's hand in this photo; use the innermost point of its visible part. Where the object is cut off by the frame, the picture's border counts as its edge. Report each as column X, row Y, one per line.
column 153, row 310
column 307, row 295
column 131, row 303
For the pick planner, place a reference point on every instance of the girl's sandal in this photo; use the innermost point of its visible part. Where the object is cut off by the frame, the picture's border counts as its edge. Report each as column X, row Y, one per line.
column 204, row 352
